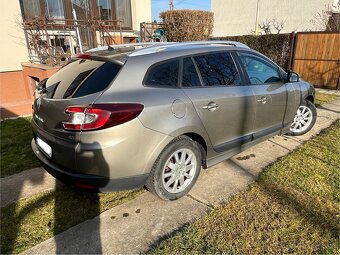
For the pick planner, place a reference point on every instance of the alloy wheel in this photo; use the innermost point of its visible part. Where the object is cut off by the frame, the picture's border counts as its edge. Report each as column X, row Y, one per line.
column 302, row 119
column 179, row 170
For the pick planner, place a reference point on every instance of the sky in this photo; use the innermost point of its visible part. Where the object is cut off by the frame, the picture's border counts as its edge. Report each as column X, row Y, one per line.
column 158, row 6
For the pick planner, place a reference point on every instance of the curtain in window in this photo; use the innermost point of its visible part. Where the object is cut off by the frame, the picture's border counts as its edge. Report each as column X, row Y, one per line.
column 31, row 8
column 55, row 9
column 123, row 12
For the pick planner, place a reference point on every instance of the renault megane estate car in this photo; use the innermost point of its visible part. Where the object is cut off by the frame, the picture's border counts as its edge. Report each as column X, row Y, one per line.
column 153, row 115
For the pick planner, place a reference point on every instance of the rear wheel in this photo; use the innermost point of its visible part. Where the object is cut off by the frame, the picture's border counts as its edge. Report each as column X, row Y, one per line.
column 304, row 119
column 176, row 169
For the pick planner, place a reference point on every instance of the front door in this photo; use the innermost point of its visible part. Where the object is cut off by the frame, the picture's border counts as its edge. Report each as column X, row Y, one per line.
column 270, row 93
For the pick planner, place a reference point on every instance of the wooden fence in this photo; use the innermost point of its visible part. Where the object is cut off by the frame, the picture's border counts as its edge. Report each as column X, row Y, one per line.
column 316, row 58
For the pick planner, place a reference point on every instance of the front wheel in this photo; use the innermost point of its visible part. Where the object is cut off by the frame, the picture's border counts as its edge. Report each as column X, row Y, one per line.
column 176, row 169
column 304, row 119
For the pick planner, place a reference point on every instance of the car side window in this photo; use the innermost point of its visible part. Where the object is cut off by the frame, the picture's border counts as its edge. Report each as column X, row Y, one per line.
column 190, row 77
column 163, row 75
column 259, row 71
column 217, row 69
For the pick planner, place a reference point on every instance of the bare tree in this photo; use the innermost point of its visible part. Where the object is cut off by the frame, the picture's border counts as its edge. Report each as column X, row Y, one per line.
column 271, row 26
column 278, row 25
column 328, row 19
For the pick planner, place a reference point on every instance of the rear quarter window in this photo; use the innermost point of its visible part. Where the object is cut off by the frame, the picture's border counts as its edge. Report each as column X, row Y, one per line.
column 82, row 77
column 163, row 75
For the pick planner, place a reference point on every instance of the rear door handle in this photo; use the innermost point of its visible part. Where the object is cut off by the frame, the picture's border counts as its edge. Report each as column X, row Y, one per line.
column 212, row 106
column 263, row 100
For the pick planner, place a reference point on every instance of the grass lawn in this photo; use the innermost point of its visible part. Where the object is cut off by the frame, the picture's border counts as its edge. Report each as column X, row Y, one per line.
column 321, row 98
column 16, row 153
column 293, row 208
column 33, row 220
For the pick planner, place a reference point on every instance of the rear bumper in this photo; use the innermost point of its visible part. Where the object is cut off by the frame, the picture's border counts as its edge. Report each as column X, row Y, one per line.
column 88, row 181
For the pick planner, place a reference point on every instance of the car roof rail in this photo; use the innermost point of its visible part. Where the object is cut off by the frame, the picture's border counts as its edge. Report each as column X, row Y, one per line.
column 214, row 42
column 161, row 47
column 153, row 47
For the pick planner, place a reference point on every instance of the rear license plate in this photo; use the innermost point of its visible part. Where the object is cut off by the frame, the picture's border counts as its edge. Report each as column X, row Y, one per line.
column 44, row 147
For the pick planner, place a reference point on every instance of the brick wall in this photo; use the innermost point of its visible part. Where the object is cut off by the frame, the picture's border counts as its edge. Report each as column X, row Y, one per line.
column 17, row 88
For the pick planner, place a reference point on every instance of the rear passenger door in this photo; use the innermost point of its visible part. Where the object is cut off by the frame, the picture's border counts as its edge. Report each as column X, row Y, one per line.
column 269, row 90
column 226, row 108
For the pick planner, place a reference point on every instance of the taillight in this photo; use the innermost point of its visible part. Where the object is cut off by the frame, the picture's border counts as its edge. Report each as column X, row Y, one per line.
column 100, row 116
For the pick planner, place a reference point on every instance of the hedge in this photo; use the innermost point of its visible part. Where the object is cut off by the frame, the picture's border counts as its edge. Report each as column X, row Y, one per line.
column 187, row 25
column 274, row 46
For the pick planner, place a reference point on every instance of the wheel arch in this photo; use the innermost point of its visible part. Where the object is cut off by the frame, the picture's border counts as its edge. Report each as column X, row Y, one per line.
column 310, row 98
column 202, row 145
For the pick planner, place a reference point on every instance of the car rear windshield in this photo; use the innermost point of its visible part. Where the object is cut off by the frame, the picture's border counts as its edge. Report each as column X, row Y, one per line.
column 82, row 77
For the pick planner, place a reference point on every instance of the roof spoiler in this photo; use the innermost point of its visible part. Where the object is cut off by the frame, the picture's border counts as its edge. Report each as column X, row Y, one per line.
column 129, row 45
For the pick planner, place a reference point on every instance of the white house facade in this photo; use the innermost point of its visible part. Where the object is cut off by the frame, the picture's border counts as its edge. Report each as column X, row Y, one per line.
column 238, row 17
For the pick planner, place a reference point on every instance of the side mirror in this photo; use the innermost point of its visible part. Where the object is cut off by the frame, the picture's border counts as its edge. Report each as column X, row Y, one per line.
column 293, row 77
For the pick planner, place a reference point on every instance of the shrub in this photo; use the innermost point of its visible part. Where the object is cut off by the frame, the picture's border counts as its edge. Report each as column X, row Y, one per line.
column 274, row 46
column 187, row 25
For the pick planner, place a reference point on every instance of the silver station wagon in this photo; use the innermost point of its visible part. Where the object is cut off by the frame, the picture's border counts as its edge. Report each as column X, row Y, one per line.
column 128, row 116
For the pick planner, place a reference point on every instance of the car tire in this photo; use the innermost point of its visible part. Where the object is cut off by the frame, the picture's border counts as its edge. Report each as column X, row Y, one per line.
column 304, row 119
column 176, row 169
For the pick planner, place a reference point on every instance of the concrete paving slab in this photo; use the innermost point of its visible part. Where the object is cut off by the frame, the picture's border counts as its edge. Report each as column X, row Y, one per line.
column 25, row 184
column 218, row 183
column 126, row 229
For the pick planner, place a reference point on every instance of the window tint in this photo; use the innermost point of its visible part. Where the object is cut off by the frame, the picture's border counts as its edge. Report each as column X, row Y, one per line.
column 82, row 77
column 217, row 69
column 258, row 70
column 190, row 76
column 99, row 80
column 165, row 74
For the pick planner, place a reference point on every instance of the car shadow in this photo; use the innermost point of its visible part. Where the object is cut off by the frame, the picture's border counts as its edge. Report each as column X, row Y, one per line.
column 70, row 206
column 87, row 201
column 327, row 109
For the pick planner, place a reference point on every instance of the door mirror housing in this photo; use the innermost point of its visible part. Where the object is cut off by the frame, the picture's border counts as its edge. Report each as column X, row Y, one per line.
column 293, row 77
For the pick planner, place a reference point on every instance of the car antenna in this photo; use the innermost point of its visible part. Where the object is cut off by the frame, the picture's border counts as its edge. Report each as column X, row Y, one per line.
column 109, row 48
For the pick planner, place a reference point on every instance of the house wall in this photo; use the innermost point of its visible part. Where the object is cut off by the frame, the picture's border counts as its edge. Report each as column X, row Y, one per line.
column 17, row 88
column 235, row 17
column 13, row 49
column 141, row 12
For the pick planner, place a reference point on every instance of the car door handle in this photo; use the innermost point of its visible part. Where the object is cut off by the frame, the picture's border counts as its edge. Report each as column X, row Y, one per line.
column 263, row 100
column 212, row 106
